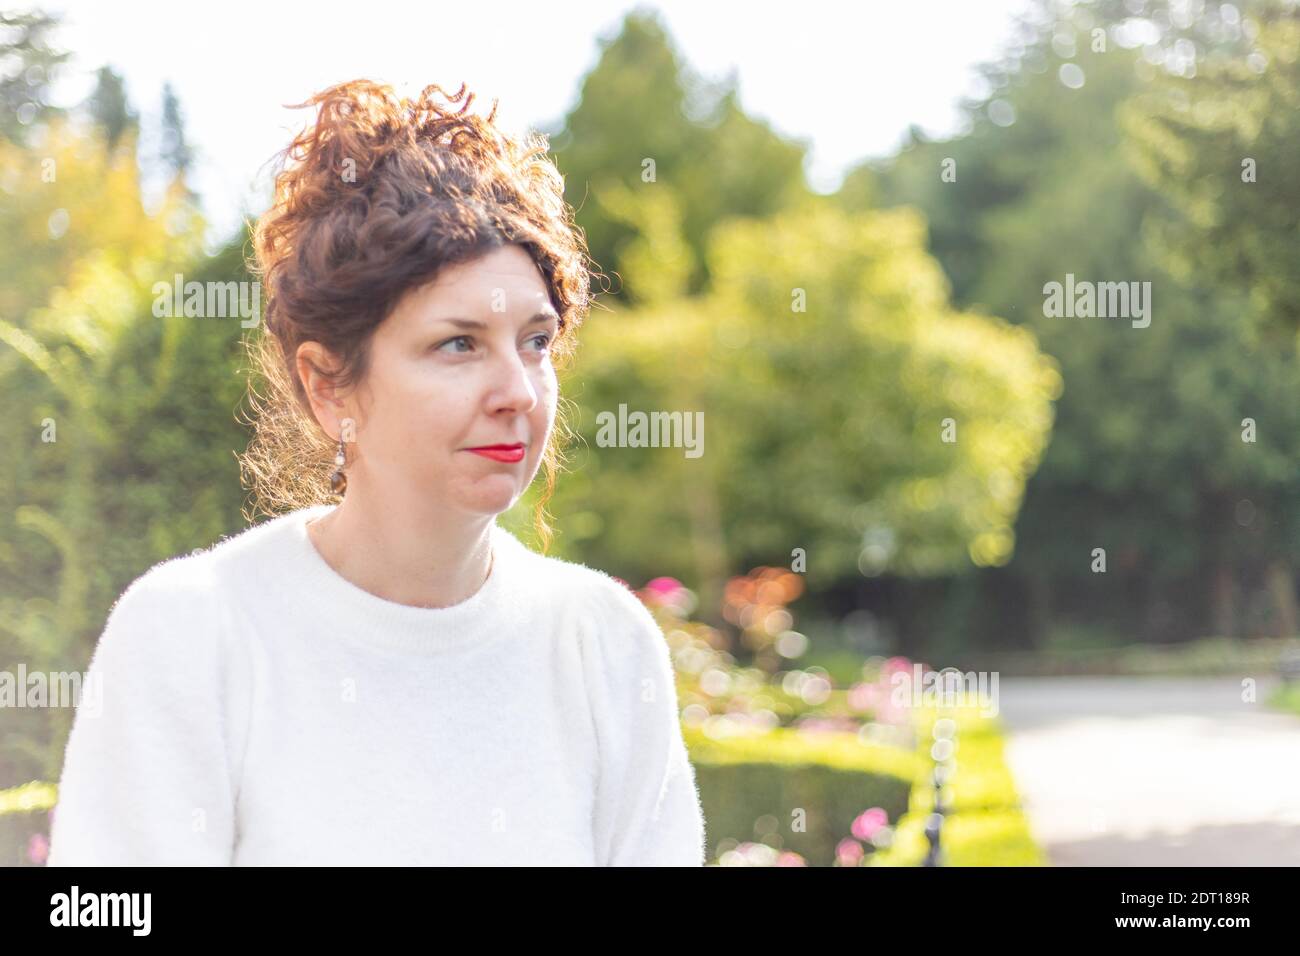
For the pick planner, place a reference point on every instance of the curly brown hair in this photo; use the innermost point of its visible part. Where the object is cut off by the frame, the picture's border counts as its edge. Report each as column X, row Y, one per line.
column 374, row 199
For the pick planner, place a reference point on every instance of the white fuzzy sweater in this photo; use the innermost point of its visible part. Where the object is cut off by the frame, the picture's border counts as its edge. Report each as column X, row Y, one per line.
column 259, row 708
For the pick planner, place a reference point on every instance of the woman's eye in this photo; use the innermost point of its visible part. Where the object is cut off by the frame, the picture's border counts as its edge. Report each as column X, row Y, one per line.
column 459, row 338
column 543, row 340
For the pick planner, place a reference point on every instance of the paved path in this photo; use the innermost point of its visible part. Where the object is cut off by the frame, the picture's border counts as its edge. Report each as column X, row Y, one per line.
column 1130, row 771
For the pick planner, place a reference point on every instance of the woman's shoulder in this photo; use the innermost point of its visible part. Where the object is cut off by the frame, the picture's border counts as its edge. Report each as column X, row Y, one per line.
column 165, row 623
column 188, row 593
column 606, row 605
column 583, row 584
column 626, row 657
column 180, row 581
column 207, row 569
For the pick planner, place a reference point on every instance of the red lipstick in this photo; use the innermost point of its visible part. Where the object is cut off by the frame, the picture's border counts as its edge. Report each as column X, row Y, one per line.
column 513, row 452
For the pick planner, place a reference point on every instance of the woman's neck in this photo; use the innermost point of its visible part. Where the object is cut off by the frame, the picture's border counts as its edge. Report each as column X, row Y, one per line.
column 423, row 560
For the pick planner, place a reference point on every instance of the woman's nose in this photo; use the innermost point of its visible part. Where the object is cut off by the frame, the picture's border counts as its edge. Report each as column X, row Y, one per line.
column 514, row 386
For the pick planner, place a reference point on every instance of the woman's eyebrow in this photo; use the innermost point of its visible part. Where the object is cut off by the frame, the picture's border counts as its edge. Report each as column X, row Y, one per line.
column 537, row 319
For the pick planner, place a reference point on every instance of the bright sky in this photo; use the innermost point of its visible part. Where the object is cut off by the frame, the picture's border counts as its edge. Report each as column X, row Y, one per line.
column 848, row 80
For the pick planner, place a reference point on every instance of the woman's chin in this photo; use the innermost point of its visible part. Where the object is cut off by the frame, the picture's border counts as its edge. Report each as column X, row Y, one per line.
column 491, row 496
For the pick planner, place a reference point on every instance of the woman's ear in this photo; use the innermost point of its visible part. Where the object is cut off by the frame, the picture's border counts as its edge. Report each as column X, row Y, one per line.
column 313, row 361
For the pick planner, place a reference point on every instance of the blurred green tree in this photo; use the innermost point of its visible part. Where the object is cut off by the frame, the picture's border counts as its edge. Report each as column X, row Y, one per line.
column 28, row 68
column 1147, row 459
column 109, row 108
column 123, row 454
column 643, row 122
column 828, row 367
column 1221, row 146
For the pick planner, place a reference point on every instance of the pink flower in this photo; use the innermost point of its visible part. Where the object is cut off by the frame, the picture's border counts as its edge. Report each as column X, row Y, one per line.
column 664, row 587
column 790, row 858
column 849, row 852
column 863, row 696
column 668, row 593
column 868, row 822
column 896, row 664
column 38, row 848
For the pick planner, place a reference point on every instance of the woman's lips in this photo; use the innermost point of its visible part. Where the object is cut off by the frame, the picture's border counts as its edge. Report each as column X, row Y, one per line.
column 500, row 452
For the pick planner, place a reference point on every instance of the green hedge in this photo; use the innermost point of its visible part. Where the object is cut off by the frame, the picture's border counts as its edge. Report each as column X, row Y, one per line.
column 984, row 824
column 1286, row 698
column 832, row 777
column 23, row 812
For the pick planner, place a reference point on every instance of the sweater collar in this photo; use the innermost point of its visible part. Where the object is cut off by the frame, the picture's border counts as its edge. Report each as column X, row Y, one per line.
column 356, row 614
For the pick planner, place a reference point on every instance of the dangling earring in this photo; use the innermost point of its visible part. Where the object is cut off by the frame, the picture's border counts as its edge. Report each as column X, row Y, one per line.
column 338, row 479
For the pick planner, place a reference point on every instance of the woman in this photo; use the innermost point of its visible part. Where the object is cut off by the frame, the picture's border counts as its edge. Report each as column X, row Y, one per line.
column 394, row 678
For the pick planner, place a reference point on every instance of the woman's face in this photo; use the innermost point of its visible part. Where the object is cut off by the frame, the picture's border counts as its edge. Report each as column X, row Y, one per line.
column 461, row 363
